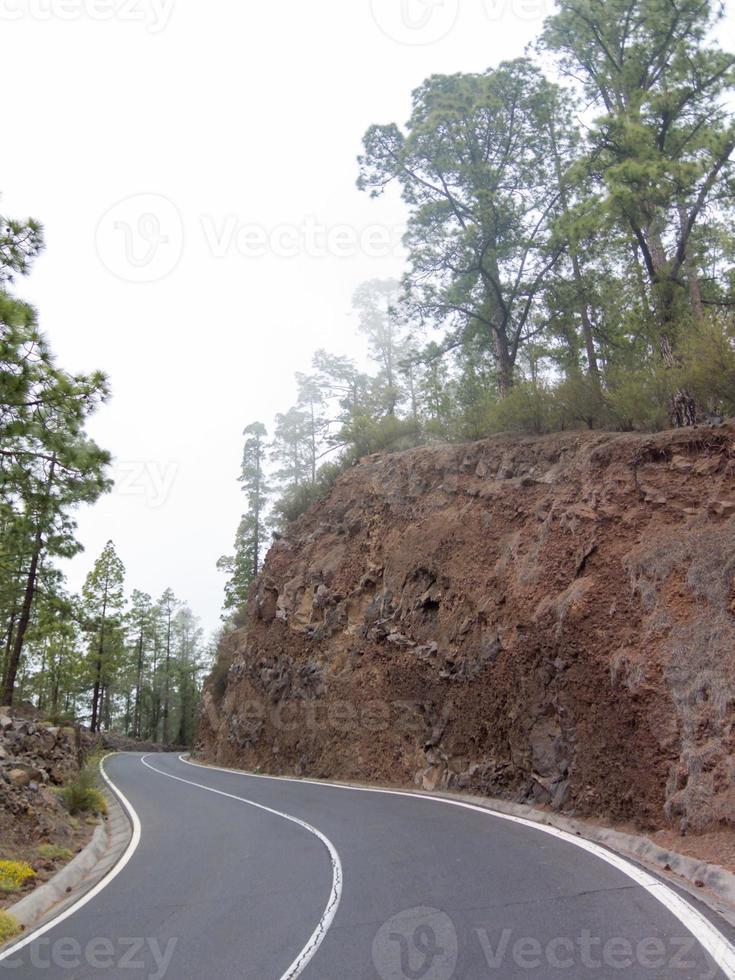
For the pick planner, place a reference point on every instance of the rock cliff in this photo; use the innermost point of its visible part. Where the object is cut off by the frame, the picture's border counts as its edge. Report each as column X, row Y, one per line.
column 548, row 620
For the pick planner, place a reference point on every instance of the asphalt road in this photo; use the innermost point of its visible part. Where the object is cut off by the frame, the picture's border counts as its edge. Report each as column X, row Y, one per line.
column 368, row 885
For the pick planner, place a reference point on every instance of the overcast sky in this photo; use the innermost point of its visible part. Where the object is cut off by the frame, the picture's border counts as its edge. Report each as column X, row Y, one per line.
column 193, row 162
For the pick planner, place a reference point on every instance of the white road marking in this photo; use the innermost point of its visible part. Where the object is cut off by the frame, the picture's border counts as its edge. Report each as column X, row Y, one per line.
column 317, row 937
column 94, row 892
column 711, row 939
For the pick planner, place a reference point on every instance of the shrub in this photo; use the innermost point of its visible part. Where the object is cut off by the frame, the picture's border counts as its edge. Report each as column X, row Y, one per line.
column 9, row 928
column 708, row 365
column 529, row 407
column 81, row 795
column 641, row 399
column 579, row 401
column 365, row 435
column 297, row 500
column 14, row 874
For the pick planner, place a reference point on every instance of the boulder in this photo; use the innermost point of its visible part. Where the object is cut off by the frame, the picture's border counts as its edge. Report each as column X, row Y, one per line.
column 19, row 778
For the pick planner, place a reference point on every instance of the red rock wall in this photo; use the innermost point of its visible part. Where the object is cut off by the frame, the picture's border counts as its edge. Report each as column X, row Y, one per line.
column 548, row 620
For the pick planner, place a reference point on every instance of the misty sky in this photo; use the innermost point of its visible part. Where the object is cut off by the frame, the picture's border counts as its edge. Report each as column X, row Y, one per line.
column 194, row 165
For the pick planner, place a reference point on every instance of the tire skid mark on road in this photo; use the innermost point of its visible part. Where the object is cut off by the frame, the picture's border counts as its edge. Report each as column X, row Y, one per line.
column 317, row 937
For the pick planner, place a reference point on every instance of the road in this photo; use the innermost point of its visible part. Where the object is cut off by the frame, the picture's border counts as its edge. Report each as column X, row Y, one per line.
column 357, row 885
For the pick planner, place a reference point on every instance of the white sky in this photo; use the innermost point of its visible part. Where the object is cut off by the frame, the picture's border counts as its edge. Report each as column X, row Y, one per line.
column 229, row 132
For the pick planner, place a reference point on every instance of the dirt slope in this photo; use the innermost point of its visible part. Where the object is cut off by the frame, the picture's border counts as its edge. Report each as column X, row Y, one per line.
column 547, row 620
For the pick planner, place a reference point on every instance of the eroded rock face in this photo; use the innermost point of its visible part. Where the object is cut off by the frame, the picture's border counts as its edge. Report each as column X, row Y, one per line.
column 549, row 620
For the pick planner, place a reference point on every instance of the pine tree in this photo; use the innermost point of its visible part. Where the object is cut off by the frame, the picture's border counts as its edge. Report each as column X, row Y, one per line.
column 662, row 147
column 47, row 466
column 476, row 171
column 103, row 601
column 140, row 627
column 168, row 605
column 375, row 303
column 243, row 566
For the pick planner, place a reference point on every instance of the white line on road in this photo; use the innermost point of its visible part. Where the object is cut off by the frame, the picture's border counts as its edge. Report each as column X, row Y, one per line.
column 711, row 939
column 94, row 892
column 317, row 937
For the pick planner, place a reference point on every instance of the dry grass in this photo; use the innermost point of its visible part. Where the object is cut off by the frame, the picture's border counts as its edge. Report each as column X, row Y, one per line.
column 9, row 928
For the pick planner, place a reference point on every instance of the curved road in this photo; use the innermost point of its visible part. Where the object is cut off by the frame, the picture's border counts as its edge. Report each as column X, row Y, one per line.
column 358, row 885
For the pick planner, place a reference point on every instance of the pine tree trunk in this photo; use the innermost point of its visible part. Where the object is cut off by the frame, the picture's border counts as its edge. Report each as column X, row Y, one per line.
column 138, row 685
column 10, row 635
column 505, row 365
column 695, row 288
column 13, row 662
column 167, row 689
column 584, row 313
column 108, row 708
column 11, row 667
column 55, row 692
column 587, row 332
column 683, row 408
column 97, row 690
column 96, row 695
column 155, row 696
column 41, row 690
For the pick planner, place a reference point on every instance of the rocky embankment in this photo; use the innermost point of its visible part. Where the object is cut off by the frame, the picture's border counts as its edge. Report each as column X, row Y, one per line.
column 35, row 758
column 547, row 620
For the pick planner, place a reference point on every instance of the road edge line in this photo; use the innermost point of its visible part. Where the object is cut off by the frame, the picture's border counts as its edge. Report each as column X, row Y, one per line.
column 317, row 937
column 719, row 948
column 36, row 933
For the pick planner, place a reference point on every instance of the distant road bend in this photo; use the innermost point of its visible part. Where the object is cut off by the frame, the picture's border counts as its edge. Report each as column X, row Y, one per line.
column 238, row 876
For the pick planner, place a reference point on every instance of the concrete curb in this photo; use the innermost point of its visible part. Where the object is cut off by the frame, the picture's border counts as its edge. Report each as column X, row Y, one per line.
column 29, row 910
column 709, row 883
column 91, row 865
